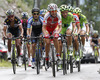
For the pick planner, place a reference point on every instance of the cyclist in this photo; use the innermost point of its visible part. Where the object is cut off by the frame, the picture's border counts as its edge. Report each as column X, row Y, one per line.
column 52, row 19
column 36, row 21
column 83, row 24
column 95, row 40
column 76, row 18
column 12, row 25
column 43, row 12
column 68, row 24
column 24, row 21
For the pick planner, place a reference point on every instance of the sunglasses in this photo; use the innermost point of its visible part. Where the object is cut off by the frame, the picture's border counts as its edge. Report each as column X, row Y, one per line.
column 24, row 18
column 35, row 13
column 11, row 16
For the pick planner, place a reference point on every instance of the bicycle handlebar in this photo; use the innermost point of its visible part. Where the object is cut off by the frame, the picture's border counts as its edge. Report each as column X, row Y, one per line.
column 13, row 38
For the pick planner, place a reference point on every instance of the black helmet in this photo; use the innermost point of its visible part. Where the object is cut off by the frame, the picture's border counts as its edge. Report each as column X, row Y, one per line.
column 35, row 10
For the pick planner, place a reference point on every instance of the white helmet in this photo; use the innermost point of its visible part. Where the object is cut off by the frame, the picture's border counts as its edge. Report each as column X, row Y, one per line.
column 52, row 7
column 24, row 15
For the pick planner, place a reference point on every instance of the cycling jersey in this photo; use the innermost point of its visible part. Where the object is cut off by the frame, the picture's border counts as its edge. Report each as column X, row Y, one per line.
column 95, row 40
column 36, row 27
column 67, row 22
column 83, row 20
column 14, row 30
column 51, row 23
column 76, row 18
column 24, row 25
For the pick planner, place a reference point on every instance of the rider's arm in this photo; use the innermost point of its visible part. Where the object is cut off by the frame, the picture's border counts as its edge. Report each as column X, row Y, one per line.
column 99, row 41
column 29, row 28
column 44, row 29
column 59, row 23
column 78, row 24
column 21, row 29
column 73, row 23
column 78, row 27
column 59, row 28
column 4, row 31
column 86, row 24
column 74, row 27
column 44, row 25
column 87, row 28
column 91, row 43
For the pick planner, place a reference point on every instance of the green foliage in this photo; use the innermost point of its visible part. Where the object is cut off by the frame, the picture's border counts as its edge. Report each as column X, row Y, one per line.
column 9, row 1
column 91, row 10
column 23, row 5
column 5, row 63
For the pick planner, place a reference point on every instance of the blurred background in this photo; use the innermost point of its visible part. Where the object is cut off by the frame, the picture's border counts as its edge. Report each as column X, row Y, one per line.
column 90, row 8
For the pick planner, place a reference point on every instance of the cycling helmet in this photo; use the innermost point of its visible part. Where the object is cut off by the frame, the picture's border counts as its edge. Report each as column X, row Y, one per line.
column 9, row 12
column 43, row 11
column 77, row 10
column 35, row 10
column 63, row 7
column 24, row 15
column 70, row 8
column 95, row 32
column 52, row 7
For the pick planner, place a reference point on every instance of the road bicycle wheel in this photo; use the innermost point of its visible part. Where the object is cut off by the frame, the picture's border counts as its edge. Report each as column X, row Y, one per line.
column 38, row 59
column 71, row 65
column 13, row 60
column 25, row 64
column 64, row 61
column 78, row 64
column 96, row 56
column 53, row 61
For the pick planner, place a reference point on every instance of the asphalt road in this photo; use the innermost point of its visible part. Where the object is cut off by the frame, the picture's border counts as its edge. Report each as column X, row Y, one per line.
column 88, row 72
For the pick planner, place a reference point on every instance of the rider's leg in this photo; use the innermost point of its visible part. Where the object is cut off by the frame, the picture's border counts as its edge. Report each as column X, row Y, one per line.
column 28, row 48
column 82, row 37
column 18, row 46
column 18, row 42
column 47, row 49
column 76, row 44
column 33, row 54
column 29, row 59
column 9, row 35
column 59, row 47
column 69, row 38
column 33, row 51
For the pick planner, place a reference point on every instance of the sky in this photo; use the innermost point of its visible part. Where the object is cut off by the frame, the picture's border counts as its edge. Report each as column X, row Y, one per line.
column 81, row 1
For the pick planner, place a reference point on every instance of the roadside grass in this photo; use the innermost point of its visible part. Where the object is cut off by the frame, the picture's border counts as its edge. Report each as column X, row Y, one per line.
column 5, row 63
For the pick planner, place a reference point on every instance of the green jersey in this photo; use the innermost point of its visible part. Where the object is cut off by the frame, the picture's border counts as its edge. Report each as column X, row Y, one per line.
column 66, row 22
column 83, row 20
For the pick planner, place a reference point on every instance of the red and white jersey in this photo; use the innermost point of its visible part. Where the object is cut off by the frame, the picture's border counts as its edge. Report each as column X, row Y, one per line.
column 76, row 18
column 50, row 22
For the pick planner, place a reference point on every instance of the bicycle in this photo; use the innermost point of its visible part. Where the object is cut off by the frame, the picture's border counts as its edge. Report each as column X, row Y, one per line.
column 64, row 43
column 25, row 53
column 66, row 56
column 96, row 54
column 38, row 53
column 53, row 60
column 14, row 54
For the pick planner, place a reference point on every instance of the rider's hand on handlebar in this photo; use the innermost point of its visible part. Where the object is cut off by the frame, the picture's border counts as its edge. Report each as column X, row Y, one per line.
column 56, row 35
column 28, row 36
column 75, row 34
column 87, row 34
column 47, row 36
